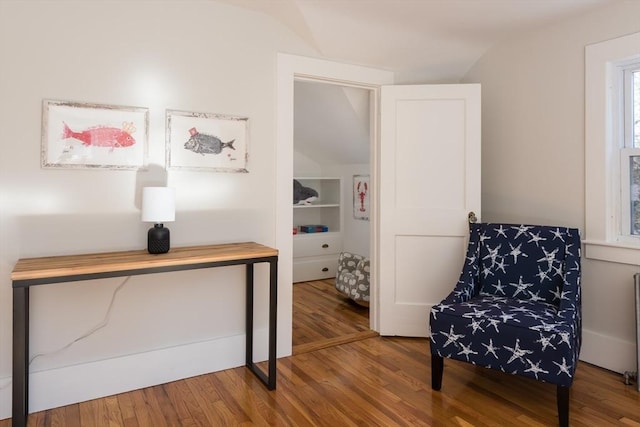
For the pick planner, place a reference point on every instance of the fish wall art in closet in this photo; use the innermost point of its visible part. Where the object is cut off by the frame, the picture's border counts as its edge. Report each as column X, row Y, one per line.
column 84, row 135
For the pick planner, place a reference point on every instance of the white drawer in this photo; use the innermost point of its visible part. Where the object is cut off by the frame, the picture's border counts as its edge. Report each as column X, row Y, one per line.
column 316, row 268
column 317, row 244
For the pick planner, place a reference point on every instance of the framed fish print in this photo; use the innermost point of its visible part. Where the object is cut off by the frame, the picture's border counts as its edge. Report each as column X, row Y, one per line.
column 206, row 142
column 82, row 135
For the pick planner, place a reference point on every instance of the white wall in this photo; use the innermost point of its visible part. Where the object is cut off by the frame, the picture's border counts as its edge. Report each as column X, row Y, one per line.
column 186, row 55
column 533, row 158
column 356, row 233
column 304, row 165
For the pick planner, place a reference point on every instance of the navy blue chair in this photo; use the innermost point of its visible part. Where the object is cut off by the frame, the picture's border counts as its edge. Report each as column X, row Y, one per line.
column 515, row 308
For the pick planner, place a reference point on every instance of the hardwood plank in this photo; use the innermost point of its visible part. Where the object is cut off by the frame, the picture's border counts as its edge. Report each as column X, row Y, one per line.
column 284, row 401
column 322, row 314
column 36, row 420
column 162, row 414
column 90, row 413
column 248, row 403
column 141, row 408
column 72, row 416
column 55, row 417
column 206, row 397
column 232, row 409
column 127, row 410
column 317, row 409
column 114, row 416
column 345, row 394
column 188, row 411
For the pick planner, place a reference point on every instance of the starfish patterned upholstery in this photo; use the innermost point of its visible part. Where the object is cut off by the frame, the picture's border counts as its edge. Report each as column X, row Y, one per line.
column 516, row 306
column 352, row 277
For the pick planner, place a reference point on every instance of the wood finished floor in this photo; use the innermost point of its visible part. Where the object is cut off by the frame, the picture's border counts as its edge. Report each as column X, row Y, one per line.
column 377, row 381
column 323, row 317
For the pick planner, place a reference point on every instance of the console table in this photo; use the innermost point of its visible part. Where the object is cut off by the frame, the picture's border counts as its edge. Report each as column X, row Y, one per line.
column 47, row 270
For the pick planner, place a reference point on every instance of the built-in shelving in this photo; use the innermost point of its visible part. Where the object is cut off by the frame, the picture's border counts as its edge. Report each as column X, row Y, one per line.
column 316, row 254
column 326, row 209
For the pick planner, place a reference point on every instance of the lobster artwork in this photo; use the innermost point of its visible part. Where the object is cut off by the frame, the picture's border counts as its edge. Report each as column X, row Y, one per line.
column 362, row 189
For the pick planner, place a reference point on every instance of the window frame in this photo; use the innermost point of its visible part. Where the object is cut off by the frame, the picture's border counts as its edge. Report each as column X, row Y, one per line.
column 623, row 117
column 627, row 101
column 605, row 152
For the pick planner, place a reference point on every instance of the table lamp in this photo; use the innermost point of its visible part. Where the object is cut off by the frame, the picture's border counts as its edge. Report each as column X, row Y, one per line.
column 158, row 206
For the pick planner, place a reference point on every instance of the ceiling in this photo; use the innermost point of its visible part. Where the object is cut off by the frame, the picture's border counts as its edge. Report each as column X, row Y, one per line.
column 422, row 41
column 331, row 123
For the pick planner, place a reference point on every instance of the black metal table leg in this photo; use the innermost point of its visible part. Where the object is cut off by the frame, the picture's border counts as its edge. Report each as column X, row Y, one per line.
column 269, row 378
column 20, row 404
column 273, row 318
column 249, row 316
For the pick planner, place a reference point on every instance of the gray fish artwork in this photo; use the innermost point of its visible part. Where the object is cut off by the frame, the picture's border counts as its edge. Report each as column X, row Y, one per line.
column 202, row 143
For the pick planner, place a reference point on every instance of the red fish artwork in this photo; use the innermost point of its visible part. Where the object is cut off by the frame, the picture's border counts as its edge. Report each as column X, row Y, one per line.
column 103, row 136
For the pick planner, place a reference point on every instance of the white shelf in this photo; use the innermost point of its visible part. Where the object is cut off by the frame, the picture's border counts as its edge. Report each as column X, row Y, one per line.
column 330, row 205
column 326, row 234
column 328, row 189
column 315, row 255
column 326, row 210
column 317, row 178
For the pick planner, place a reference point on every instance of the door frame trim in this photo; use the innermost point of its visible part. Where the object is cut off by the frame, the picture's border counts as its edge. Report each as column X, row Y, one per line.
column 289, row 69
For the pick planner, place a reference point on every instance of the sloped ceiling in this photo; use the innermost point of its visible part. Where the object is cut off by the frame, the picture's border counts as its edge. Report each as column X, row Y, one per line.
column 331, row 123
column 422, row 41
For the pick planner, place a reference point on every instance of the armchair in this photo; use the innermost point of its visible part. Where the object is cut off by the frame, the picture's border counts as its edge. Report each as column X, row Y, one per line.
column 352, row 277
column 515, row 308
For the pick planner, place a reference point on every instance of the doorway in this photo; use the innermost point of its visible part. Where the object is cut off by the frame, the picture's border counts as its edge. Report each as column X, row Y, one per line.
column 290, row 69
column 331, row 153
column 453, row 113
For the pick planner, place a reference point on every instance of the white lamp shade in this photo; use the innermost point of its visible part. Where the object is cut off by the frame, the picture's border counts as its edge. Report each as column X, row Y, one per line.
column 158, row 204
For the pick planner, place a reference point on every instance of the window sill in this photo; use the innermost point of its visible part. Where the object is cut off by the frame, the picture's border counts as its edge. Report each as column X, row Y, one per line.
column 621, row 253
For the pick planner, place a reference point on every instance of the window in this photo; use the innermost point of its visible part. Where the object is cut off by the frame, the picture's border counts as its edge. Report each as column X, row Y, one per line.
column 628, row 121
column 612, row 150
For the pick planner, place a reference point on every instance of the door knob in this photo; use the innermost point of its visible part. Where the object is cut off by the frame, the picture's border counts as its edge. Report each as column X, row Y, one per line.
column 472, row 217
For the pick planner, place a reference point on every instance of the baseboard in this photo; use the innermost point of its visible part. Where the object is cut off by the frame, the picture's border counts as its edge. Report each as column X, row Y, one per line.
column 607, row 352
column 63, row 386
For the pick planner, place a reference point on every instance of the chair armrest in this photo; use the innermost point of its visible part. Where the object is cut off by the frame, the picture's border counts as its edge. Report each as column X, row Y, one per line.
column 469, row 282
column 569, row 315
column 466, row 288
column 570, row 296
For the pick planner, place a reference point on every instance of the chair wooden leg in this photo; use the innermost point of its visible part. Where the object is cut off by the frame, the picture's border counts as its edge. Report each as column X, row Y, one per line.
column 437, row 367
column 563, row 406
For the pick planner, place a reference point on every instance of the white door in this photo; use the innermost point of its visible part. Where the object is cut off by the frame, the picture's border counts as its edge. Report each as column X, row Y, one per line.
column 429, row 181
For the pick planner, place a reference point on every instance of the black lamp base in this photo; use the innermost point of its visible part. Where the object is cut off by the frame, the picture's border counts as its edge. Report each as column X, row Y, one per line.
column 158, row 240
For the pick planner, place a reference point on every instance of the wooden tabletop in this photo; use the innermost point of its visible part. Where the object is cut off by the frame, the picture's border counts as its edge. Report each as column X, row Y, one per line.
column 70, row 265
